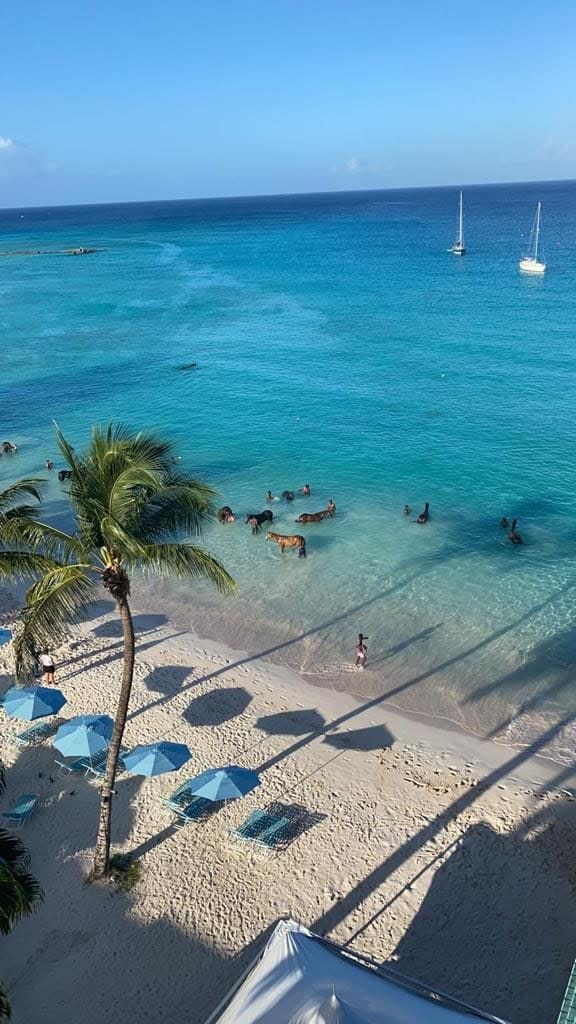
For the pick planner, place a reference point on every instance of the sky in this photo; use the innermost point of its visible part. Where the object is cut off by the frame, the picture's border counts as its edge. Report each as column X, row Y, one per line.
column 117, row 100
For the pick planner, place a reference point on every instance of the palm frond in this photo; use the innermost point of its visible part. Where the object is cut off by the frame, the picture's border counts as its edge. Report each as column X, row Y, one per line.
column 182, row 507
column 20, row 892
column 40, row 537
column 21, row 489
column 66, row 450
column 5, row 1011
column 119, row 540
column 185, row 561
column 23, row 565
column 56, row 600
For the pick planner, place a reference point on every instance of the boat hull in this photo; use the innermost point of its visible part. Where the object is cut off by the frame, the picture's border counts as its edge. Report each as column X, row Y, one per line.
column 458, row 250
column 532, row 266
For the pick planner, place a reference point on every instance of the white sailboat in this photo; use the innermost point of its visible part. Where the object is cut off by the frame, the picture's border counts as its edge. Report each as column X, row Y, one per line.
column 459, row 248
column 530, row 263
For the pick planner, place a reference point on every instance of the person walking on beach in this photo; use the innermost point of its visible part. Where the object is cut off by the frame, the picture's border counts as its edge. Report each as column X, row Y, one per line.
column 361, row 652
column 48, row 668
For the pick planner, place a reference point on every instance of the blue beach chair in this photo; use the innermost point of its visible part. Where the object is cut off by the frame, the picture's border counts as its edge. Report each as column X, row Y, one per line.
column 97, row 766
column 255, row 823
column 21, row 810
column 269, row 831
column 195, row 808
column 78, row 766
column 273, row 837
column 179, row 797
column 37, row 733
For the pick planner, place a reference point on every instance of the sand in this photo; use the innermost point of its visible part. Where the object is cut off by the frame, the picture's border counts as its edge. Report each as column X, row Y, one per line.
column 448, row 856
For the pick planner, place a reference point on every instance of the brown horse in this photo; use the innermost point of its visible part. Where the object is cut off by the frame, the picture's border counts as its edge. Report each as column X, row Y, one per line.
column 318, row 516
column 314, row 517
column 294, row 541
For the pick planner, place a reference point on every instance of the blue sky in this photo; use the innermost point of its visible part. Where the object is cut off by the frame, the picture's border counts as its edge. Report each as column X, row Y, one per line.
column 113, row 101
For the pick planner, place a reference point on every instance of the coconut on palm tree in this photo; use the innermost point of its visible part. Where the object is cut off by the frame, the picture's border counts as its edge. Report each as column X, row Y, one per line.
column 133, row 509
column 20, row 893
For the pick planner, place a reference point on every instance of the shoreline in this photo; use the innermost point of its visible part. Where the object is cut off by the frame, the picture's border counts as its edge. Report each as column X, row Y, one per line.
column 377, row 686
column 432, row 730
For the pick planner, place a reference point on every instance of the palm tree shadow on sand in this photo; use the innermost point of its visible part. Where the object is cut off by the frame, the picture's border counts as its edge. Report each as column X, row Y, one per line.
column 353, row 901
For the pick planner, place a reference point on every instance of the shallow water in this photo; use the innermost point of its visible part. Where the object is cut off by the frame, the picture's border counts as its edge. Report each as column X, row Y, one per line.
column 338, row 343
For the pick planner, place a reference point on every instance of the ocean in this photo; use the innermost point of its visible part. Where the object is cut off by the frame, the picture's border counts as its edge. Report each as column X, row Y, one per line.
column 338, row 343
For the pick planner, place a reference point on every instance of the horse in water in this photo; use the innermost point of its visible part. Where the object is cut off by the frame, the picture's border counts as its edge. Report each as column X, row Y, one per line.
column 425, row 515
column 513, row 534
column 224, row 514
column 255, row 519
column 316, row 517
column 294, row 541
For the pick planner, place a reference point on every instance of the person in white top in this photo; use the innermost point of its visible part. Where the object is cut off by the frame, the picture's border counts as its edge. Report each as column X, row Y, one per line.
column 48, row 667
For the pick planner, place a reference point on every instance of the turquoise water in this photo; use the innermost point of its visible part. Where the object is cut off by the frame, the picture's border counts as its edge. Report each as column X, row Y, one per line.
column 338, row 343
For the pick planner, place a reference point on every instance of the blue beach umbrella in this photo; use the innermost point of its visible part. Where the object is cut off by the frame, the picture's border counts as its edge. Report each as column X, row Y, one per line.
column 32, row 702
column 84, row 735
column 224, row 783
column 156, row 758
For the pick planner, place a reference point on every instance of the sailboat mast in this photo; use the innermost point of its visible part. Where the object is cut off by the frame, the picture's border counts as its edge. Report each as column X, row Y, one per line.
column 537, row 231
column 460, row 224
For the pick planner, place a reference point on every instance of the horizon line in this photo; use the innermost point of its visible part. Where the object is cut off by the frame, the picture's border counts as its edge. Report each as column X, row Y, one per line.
column 289, row 195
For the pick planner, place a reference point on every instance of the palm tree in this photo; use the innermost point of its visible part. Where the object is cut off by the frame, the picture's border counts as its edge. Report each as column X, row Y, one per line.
column 132, row 507
column 20, row 893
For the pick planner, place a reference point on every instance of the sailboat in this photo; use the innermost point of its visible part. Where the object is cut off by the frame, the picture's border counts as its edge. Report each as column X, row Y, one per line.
column 459, row 248
column 530, row 263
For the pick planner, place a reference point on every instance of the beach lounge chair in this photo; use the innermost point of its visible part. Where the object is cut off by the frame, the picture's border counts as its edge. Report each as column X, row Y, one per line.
column 255, row 823
column 97, row 766
column 179, row 797
column 195, row 808
column 274, row 836
column 567, row 1013
column 37, row 733
column 21, row 810
column 78, row 766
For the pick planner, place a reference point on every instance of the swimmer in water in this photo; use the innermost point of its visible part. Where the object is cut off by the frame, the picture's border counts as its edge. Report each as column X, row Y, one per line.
column 305, row 490
column 504, row 523
column 270, row 497
column 407, row 510
column 49, row 464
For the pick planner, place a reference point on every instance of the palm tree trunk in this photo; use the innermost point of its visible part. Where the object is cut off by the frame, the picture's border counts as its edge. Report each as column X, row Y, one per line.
column 102, row 852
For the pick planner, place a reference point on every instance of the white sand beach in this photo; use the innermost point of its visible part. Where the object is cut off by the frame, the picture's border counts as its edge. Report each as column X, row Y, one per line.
column 446, row 855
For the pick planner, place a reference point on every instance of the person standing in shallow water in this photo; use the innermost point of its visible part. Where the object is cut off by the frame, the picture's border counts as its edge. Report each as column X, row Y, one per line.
column 361, row 652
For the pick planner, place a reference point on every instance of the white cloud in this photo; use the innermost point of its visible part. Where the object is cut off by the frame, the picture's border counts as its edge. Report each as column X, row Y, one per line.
column 353, row 164
column 558, row 149
column 18, row 161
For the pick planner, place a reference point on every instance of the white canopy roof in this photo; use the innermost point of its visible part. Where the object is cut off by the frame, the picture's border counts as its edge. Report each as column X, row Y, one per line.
column 300, row 978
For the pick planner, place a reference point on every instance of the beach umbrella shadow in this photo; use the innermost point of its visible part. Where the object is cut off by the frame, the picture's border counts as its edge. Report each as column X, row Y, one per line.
column 168, row 679
column 292, row 723
column 373, row 737
column 217, row 706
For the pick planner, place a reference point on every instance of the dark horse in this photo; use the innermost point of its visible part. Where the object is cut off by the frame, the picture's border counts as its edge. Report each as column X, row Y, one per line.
column 255, row 519
column 425, row 515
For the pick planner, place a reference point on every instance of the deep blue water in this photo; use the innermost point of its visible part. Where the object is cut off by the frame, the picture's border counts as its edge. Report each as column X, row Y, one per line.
column 338, row 343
